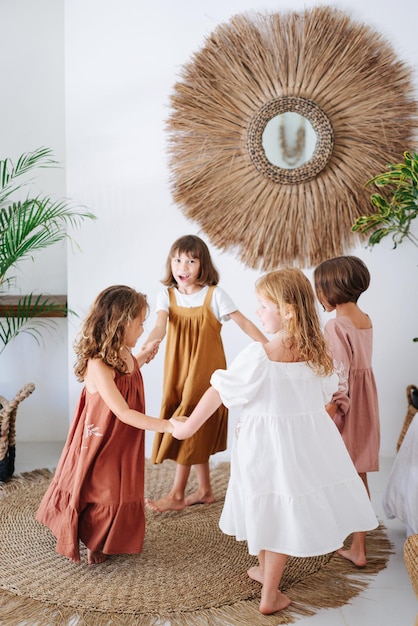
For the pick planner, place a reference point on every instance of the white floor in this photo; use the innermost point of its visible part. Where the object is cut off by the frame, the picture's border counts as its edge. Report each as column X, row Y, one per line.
column 389, row 599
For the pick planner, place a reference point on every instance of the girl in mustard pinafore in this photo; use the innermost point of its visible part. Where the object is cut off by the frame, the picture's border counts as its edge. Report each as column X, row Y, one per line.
column 193, row 307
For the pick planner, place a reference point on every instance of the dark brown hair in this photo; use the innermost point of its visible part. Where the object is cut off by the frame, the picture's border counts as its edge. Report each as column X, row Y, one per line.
column 103, row 331
column 341, row 279
column 197, row 249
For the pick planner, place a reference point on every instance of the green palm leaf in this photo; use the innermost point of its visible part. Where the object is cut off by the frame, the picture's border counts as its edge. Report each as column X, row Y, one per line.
column 27, row 226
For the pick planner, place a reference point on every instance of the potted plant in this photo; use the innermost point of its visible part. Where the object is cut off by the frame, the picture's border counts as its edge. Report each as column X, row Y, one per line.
column 27, row 225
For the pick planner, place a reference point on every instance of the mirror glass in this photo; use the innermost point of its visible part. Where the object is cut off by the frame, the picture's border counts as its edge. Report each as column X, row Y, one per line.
column 289, row 140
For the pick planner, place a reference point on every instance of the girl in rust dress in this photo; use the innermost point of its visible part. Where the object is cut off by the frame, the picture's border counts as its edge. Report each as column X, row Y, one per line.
column 339, row 282
column 97, row 492
column 193, row 307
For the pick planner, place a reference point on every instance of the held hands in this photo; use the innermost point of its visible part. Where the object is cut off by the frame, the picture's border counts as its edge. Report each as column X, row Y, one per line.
column 171, row 424
column 148, row 351
column 179, row 427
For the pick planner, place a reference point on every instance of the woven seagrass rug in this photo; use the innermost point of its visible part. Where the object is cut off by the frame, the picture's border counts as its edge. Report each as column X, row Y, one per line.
column 189, row 573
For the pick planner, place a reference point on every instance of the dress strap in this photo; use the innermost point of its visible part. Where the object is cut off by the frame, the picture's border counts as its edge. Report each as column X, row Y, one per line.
column 208, row 296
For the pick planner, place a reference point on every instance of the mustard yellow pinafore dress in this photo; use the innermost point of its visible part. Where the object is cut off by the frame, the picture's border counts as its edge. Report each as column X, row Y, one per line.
column 194, row 351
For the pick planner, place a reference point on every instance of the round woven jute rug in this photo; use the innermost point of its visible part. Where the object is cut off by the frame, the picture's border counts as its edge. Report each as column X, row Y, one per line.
column 189, row 573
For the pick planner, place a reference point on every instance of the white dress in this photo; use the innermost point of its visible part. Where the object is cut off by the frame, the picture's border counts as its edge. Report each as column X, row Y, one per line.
column 293, row 488
column 400, row 498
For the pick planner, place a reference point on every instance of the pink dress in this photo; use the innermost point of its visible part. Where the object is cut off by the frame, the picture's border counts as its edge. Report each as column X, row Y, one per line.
column 97, row 492
column 357, row 416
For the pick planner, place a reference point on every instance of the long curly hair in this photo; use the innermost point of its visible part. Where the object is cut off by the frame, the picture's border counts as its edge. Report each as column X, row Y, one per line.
column 289, row 287
column 103, row 331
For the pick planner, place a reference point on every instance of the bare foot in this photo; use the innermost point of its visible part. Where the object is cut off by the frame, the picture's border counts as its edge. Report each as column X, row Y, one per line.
column 358, row 558
column 200, row 497
column 166, row 503
column 95, row 556
column 256, row 574
column 75, row 560
column 273, row 601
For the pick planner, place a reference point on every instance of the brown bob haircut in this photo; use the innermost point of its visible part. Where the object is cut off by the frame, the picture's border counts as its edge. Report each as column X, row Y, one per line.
column 341, row 279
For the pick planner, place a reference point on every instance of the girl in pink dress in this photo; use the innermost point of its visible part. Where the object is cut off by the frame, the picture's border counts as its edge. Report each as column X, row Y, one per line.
column 97, row 492
column 339, row 282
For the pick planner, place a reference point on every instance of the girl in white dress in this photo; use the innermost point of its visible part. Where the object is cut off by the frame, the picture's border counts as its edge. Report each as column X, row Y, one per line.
column 293, row 488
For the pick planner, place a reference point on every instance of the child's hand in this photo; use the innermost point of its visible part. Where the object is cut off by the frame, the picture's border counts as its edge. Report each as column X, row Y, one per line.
column 148, row 351
column 179, row 423
column 331, row 409
column 180, row 418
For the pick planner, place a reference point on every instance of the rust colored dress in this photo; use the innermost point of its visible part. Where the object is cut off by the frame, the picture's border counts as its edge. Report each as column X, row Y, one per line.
column 194, row 351
column 97, row 492
column 357, row 416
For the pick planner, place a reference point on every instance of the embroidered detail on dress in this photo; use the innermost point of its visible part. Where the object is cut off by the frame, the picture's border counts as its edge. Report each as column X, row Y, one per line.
column 90, row 430
column 342, row 374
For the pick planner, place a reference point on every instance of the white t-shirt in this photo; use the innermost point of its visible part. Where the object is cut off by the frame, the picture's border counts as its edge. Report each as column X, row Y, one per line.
column 221, row 304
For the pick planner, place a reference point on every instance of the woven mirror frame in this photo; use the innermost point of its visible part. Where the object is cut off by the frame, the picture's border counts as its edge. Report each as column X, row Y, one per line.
column 323, row 148
column 348, row 83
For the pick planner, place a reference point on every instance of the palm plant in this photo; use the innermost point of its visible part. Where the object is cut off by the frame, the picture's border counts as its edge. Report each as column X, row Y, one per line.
column 397, row 207
column 26, row 226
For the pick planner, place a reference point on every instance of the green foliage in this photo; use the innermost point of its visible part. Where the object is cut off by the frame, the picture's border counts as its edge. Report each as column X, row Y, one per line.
column 26, row 226
column 396, row 207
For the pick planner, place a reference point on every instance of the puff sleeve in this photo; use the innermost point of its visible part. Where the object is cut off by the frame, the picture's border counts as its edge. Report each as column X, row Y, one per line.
column 241, row 381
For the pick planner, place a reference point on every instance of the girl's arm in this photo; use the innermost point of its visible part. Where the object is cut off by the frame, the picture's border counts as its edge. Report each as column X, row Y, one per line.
column 160, row 328
column 100, row 379
column 248, row 327
column 148, row 352
column 150, row 346
column 207, row 405
column 342, row 356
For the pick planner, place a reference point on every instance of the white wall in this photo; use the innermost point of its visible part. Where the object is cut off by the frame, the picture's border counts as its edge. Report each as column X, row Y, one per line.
column 32, row 109
column 121, row 61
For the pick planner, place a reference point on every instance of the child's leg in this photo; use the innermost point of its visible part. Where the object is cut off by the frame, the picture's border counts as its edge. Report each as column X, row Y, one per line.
column 257, row 571
column 356, row 553
column 272, row 599
column 174, row 500
column 95, row 556
column 203, row 493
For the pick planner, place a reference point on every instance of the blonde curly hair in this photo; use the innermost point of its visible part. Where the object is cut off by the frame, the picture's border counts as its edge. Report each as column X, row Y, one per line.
column 290, row 288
